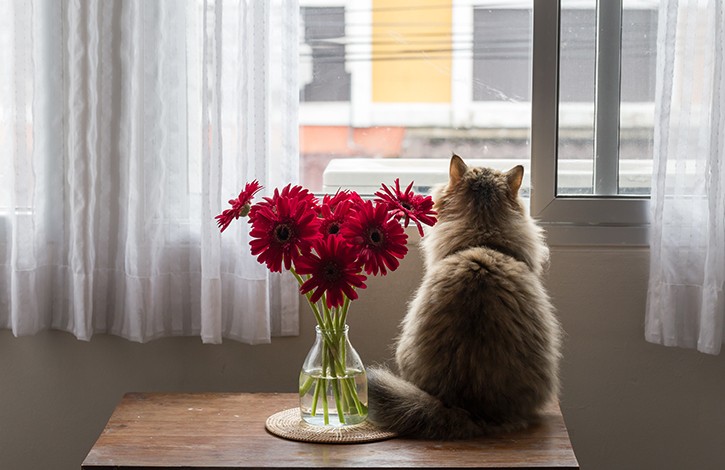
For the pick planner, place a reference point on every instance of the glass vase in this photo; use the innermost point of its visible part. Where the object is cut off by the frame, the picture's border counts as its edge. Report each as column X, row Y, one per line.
column 333, row 383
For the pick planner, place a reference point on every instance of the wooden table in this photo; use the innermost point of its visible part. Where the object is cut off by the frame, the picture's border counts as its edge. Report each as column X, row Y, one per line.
column 226, row 430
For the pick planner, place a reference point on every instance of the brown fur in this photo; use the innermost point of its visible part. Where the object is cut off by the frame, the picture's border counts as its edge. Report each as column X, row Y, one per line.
column 479, row 347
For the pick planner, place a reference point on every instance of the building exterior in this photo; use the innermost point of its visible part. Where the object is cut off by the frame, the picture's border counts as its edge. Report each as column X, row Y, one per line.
column 403, row 79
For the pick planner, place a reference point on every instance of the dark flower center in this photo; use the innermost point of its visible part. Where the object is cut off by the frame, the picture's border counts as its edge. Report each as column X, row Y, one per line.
column 375, row 236
column 406, row 206
column 282, row 233
column 333, row 229
column 331, row 272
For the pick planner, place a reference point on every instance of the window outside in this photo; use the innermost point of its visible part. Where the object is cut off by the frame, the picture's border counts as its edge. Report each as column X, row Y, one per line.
column 381, row 80
column 424, row 81
column 578, row 77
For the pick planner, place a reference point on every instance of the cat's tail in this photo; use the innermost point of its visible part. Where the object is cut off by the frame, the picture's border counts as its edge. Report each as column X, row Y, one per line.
column 399, row 406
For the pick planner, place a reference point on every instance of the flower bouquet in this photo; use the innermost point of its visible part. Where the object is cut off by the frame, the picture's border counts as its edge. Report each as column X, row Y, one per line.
column 327, row 245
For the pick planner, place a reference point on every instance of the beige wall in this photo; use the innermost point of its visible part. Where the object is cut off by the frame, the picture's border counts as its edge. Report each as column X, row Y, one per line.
column 628, row 404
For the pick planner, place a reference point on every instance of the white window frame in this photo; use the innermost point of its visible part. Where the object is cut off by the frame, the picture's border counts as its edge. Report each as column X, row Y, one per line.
column 591, row 220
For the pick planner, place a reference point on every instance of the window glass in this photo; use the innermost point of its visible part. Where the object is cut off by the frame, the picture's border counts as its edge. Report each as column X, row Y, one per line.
column 322, row 73
column 577, row 72
column 636, row 134
column 385, row 81
column 578, row 75
column 502, row 54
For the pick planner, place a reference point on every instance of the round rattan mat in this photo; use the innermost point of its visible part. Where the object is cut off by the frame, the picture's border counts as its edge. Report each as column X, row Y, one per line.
column 289, row 425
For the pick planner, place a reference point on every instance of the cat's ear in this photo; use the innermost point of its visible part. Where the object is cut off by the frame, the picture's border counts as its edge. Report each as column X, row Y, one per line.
column 456, row 170
column 514, row 178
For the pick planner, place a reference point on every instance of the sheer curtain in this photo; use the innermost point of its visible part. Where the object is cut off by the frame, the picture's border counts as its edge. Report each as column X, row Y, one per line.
column 125, row 127
column 686, row 302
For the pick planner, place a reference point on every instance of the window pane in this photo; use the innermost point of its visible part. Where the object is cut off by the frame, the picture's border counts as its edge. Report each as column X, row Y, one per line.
column 322, row 55
column 422, row 82
column 502, row 57
column 636, row 135
column 577, row 97
column 577, row 71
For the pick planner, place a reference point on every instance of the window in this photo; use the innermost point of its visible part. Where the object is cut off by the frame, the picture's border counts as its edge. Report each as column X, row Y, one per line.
column 502, row 54
column 422, row 85
column 590, row 128
column 323, row 76
column 495, row 82
column 579, row 72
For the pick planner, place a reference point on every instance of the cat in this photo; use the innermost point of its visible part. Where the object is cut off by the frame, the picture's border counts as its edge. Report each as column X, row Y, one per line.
column 479, row 348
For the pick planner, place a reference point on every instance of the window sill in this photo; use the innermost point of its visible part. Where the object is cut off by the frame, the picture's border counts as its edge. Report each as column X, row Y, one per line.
column 565, row 222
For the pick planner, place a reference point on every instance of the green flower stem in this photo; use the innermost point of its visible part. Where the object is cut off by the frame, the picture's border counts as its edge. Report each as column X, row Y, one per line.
column 338, row 403
column 352, row 390
column 316, row 396
column 313, row 306
column 340, row 327
column 306, row 386
column 328, row 318
column 342, row 318
column 325, row 409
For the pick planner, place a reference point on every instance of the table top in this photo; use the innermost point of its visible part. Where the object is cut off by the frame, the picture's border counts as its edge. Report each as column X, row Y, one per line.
column 226, row 430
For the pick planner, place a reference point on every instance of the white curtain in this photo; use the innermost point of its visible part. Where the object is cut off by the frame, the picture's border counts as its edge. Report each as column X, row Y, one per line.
column 125, row 127
column 686, row 302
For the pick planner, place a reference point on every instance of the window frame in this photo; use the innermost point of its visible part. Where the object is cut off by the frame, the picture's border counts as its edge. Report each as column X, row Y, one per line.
column 572, row 220
column 602, row 220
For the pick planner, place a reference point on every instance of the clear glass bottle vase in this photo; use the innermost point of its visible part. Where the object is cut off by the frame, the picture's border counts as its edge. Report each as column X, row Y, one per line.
column 333, row 383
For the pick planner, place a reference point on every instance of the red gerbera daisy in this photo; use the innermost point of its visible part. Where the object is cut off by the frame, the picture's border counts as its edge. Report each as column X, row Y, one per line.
column 332, row 220
column 408, row 205
column 283, row 229
column 296, row 192
column 335, row 209
column 380, row 238
column 332, row 201
column 240, row 205
column 334, row 272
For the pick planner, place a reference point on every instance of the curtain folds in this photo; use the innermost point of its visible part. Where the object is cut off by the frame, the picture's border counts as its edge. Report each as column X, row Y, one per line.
column 127, row 125
column 686, row 302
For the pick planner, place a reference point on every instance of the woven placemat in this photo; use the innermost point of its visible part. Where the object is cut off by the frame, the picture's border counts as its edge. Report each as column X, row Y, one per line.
column 289, row 425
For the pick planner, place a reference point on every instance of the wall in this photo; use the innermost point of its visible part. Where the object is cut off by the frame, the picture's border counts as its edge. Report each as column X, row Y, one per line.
column 628, row 404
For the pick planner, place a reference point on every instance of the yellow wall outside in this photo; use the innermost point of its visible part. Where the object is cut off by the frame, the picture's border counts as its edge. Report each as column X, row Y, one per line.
column 413, row 29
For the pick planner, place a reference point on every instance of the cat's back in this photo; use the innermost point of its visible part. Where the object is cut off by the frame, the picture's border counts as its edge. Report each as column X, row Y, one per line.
column 484, row 307
column 482, row 283
column 480, row 300
column 501, row 299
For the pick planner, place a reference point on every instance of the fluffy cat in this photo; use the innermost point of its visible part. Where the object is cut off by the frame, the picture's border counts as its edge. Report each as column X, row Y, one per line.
column 479, row 347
